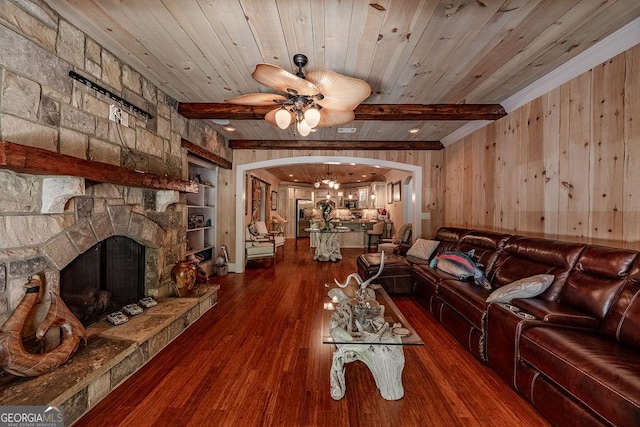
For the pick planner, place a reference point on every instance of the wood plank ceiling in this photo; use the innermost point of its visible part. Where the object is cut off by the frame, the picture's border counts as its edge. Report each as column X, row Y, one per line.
column 409, row 51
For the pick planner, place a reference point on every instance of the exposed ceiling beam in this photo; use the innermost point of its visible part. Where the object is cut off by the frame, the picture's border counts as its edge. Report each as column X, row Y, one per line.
column 242, row 144
column 387, row 112
column 206, row 154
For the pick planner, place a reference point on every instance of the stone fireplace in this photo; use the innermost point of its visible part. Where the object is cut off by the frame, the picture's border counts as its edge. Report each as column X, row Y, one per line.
column 103, row 279
column 51, row 224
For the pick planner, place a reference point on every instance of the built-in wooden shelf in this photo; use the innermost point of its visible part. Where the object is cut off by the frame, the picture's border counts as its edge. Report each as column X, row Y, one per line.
column 37, row 161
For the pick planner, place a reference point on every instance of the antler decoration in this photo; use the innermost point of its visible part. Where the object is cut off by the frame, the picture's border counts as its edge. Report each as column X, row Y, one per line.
column 356, row 276
column 13, row 356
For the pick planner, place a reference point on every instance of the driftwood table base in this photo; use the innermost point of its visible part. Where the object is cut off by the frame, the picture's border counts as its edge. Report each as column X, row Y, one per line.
column 385, row 362
column 328, row 247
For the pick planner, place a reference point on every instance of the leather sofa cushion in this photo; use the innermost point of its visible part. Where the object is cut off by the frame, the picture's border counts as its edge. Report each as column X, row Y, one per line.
column 485, row 244
column 373, row 260
column 597, row 279
column 623, row 320
column 467, row 299
column 426, row 274
column 449, row 237
column 600, row 372
column 554, row 312
column 527, row 256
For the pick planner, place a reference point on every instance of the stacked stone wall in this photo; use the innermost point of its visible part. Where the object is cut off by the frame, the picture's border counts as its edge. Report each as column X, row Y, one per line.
column 42, row 106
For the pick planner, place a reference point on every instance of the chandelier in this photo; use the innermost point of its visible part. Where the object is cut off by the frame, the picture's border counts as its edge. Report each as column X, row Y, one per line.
column 328, row 179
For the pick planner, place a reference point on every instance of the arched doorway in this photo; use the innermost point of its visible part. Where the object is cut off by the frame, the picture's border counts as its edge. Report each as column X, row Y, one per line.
column 414, row 199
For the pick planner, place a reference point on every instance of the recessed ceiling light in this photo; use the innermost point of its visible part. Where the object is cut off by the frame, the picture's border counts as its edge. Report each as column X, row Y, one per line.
column 222, row 122
column 229, row 128
column 290, row 175
column 414, row 130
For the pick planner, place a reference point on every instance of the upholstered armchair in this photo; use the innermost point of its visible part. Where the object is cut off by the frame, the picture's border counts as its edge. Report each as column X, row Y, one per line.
column 277, row 237
column 259, row 246
column 402, row 238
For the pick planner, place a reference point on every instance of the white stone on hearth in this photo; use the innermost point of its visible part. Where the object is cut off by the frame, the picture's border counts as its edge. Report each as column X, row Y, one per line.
column 164, row 198
column 56, row 191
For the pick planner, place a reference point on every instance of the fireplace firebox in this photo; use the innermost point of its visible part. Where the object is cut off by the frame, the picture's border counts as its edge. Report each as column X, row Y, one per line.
column 103, row 279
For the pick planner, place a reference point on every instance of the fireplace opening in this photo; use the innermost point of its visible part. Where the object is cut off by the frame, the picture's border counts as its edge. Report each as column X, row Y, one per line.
column 104, row 279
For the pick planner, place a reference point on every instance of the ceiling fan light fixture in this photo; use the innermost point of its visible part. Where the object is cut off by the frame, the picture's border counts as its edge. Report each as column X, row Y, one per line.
column 283, row 118
column 312, row 116
column 303, row 128
column 316, row 184
column 333, row 93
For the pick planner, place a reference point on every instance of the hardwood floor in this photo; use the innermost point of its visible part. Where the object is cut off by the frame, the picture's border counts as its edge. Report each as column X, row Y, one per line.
column 256, row 359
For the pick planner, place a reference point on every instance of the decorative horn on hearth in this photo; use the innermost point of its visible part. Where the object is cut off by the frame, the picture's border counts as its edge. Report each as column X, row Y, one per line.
column 13, row 356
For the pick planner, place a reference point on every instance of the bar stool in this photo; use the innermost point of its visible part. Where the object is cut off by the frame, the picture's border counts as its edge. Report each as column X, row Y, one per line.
column 376, row 231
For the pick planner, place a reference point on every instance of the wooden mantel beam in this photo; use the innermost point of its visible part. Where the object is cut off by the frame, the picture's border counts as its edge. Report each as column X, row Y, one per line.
column 241, row 144
column 386, row 112
column 36, row 161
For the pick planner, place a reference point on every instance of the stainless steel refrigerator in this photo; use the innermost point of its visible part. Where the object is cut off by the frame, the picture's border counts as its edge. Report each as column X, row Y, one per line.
column 304, row 214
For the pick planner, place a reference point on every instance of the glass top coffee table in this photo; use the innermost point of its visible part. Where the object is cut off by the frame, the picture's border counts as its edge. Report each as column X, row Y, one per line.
column 369, row 327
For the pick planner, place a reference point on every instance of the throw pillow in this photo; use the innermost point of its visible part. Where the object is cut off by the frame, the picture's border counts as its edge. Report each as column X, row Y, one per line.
column 400, row 234
column 423, row 248
column 528, row 287
column 253, row 229
column 462, row 266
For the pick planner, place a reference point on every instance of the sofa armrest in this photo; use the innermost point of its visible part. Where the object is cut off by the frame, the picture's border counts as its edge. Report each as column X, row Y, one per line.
column 554, row 313
column 402, row 248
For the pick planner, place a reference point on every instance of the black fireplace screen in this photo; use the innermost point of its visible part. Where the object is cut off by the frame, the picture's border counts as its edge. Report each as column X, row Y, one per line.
column 104, row 279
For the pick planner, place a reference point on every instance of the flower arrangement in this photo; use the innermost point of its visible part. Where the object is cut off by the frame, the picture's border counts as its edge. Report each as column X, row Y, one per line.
column 326, row 208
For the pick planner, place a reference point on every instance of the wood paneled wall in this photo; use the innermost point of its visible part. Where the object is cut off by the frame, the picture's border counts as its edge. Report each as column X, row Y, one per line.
column 566, row 165
column 431, row 162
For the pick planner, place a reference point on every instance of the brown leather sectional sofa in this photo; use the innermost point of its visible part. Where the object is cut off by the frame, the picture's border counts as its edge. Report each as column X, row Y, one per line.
column 573, row 351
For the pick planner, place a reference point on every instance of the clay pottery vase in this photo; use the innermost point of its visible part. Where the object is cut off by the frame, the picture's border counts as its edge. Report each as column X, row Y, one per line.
column 184, row 275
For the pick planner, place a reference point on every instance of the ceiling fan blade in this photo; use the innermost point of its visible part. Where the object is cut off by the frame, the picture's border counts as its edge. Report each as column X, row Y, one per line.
column 330, row 118
column 340, row 92
column 281, row 80
column 256, row 99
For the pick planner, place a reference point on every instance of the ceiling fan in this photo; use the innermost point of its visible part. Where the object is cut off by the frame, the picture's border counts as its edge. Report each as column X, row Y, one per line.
column 322, row 98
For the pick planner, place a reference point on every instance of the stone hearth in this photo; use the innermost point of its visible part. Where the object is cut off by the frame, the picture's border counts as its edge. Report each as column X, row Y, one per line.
column 111, row 355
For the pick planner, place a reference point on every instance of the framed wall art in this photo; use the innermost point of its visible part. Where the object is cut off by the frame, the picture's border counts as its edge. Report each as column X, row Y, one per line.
column 397, row 188
column 274, row 200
